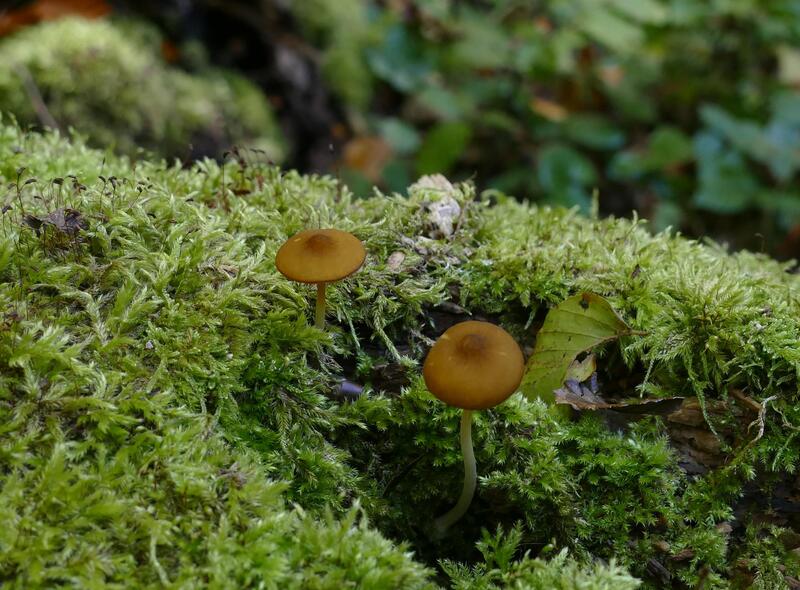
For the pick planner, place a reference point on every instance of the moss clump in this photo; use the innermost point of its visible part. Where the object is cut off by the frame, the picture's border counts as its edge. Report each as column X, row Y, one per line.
column 164, row 398
column 110, row 343
column 109, row 83
column 500, row 570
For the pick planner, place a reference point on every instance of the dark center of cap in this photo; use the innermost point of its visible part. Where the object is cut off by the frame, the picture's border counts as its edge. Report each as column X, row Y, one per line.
column 472, row 345
column 319, row 243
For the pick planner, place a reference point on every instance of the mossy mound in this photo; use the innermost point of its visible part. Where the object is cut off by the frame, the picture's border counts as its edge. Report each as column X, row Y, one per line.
column 168, row 415
column 110, row 83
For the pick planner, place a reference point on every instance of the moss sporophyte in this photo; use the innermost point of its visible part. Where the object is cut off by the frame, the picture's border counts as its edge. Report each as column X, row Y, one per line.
column 473, row 366
column 320, row 256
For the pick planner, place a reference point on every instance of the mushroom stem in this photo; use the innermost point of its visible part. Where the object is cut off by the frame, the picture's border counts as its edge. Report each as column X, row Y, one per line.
column 320, row 319
column 470, row 477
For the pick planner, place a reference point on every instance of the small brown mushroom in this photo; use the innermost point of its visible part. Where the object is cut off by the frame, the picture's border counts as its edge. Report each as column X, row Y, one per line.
column 473, row 366
column 320, row 256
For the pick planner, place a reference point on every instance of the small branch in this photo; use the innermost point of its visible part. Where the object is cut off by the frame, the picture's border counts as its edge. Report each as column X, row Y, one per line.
column 400, row 475
column 747, row 401
column 761, row 420
column 45, row 118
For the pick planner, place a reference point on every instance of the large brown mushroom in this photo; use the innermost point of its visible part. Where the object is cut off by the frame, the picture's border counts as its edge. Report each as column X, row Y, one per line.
column 320, row 256
column 472, row 366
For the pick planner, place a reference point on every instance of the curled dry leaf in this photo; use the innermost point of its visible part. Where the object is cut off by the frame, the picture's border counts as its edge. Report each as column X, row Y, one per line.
column 441, row 206
column 582, row 370
column 67, row 221
column 433, row 182
column 580, row 397
column 395, row 261
column 442, row 217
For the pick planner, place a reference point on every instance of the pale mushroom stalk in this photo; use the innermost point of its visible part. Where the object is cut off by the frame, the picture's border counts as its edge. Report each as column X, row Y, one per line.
column 470, row 477
column 320, row 310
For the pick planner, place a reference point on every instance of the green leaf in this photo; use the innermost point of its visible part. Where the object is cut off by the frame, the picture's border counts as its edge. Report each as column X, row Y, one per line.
column 399, row 60
column 574, row 326
column 443, row 102
column 746, row 135
column 668, row 147
column 788, row 64
column 784, row 203
column 726, row 185
column 401, row 136
column 442, row 147
column 397, row 176
column 593, row 131
column 645, row 11
column 483, row 45
column 786, row 108
column 611, row 30
column 776, row 146
column 564, row 174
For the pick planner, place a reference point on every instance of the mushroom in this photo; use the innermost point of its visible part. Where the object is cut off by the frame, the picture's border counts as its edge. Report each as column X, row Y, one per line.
column 320, row 256
column 472, row 366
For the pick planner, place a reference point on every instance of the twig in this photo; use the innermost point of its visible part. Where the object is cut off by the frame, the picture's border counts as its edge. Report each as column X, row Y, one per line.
column 749, row 402
column 45, row 118
column 761, row 420
column 400, row 475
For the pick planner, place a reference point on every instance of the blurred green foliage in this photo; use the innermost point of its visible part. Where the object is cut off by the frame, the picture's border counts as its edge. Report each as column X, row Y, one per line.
column 684, row 110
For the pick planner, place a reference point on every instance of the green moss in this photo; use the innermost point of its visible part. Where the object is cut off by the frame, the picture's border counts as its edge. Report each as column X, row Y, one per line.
column 109, row 83
column 500, row 570
column 168, row 411
column 713, row 320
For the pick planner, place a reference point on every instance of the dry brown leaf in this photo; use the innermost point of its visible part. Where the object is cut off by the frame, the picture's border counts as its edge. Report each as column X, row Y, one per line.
column 550, row 110
column 44, row 10
column 395, row 261
column 580, row 397
column 612, row 75
column 368, row 155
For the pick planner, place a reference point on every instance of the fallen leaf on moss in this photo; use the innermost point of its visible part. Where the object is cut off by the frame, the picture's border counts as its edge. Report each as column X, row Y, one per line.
column 67, row 221
column 576, row 325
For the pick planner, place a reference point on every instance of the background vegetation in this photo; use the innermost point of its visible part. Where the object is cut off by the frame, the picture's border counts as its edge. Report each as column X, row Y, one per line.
column 687, row 112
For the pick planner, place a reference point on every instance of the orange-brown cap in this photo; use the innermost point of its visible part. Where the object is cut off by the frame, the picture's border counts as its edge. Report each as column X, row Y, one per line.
column 474, row 366
column 320, row 256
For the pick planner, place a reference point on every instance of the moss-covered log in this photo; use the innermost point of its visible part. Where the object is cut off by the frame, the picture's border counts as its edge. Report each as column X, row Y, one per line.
column 169, row 416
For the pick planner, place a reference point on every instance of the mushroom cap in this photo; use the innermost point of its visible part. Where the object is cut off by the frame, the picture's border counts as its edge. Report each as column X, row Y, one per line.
column 474, row 366
column 320, row 256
